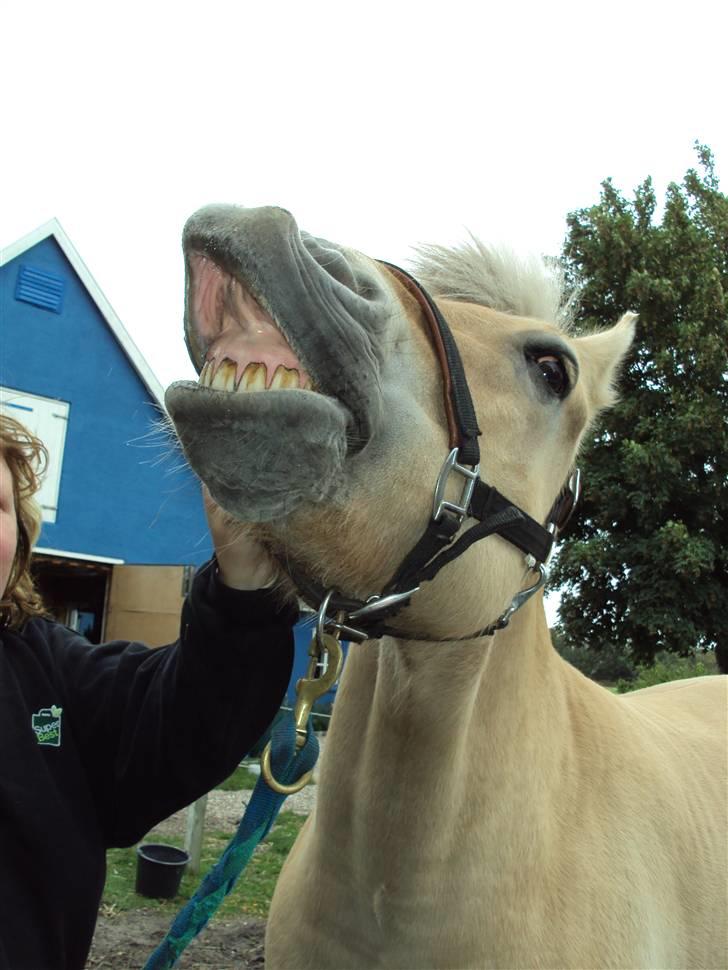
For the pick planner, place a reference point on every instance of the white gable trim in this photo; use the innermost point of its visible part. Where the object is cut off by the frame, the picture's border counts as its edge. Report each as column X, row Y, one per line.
column 54, row 228
column 84, row 556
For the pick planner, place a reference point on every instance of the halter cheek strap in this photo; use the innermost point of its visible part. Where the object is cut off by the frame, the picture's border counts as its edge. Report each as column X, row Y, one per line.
column 478, row 500
column 462, row 424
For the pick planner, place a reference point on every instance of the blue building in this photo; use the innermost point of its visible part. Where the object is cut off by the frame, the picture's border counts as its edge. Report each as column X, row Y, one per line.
column 123, row 523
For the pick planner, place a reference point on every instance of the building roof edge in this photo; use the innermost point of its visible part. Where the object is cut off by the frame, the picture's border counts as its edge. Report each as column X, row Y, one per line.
column 135, row 356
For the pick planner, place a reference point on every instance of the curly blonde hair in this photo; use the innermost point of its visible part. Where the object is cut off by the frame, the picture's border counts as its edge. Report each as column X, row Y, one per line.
column 27, row 458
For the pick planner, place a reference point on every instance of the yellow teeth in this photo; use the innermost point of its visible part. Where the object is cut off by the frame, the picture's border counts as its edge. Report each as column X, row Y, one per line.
column 285, row 377
column 255, row 377
column 224, row 377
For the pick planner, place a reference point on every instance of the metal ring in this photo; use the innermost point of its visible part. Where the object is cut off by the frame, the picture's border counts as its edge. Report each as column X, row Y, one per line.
column 267, row 773
column 321, row 619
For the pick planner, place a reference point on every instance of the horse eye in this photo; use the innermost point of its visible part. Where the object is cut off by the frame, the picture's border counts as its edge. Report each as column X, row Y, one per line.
column 554, row 373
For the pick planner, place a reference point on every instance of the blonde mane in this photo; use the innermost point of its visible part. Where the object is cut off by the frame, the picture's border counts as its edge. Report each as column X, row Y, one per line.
column 497, row 277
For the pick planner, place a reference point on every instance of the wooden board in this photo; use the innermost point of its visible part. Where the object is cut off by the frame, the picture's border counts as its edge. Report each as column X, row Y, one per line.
column 145, row 603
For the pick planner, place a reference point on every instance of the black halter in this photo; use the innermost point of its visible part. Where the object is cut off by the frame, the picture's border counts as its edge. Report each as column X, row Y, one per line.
column 435, row 548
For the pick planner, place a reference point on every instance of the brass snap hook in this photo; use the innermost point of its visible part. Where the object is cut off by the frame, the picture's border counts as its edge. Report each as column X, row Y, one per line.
column 325, row 652
column 267, row 773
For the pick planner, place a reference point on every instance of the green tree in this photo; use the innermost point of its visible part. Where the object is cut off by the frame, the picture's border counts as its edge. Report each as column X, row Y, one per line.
column 646, row 561
column 609, row 664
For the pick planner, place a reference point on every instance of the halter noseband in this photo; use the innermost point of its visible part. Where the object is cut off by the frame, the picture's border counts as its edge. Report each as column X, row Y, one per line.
column 357, row 620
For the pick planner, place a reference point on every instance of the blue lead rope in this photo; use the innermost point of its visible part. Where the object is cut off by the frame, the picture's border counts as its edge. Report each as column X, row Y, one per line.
column 288, row 766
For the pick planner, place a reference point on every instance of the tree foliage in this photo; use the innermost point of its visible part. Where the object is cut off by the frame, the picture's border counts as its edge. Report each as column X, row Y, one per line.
column 609, row 664
column 646, row 562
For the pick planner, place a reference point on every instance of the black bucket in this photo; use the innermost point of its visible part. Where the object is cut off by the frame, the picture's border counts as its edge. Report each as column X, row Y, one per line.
column 159, row 870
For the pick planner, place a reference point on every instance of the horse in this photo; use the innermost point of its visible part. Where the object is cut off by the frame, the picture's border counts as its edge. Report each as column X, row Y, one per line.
column 405, row 446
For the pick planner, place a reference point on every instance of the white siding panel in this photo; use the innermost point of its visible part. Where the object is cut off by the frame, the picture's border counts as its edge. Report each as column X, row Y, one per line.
column 47, row 419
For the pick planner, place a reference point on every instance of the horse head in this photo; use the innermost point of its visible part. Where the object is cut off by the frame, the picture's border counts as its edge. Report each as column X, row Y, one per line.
column 319, row 414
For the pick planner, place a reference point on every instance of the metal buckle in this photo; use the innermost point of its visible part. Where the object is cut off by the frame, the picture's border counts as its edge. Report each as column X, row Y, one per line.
column 561, row 512
column 377, row 603
column 566, row 502
column 439, row 502
column 521, row 598
column 337, row 625
column 575, row 487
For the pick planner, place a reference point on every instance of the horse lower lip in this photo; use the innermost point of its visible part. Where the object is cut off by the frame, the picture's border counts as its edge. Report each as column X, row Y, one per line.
column 244, row 446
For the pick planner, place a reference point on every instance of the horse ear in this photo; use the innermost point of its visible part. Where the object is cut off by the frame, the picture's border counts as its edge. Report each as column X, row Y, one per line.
column 601, row 355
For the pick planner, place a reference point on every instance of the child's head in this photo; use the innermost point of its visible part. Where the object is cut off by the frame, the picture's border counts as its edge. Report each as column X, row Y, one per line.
column 22, row 460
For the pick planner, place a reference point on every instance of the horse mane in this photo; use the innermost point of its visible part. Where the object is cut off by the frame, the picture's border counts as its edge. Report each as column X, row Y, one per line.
column 497, row 277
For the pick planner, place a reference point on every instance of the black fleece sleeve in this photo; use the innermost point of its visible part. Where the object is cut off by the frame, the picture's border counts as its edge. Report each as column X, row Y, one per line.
column 157, row 728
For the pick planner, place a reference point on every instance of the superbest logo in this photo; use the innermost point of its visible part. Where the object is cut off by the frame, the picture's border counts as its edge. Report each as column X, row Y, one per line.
column 47, row 726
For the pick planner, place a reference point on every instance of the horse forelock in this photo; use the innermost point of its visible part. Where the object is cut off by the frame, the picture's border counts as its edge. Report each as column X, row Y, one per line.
column 497, row 277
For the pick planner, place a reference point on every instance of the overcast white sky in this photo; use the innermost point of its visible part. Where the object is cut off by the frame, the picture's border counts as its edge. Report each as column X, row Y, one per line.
column 377, row 124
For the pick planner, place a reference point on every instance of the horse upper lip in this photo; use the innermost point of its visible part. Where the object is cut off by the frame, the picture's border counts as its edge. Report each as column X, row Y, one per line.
column 230, row 324
column 331, row 306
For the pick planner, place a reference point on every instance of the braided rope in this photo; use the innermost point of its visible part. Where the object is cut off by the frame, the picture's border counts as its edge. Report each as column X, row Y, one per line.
column 288, row 766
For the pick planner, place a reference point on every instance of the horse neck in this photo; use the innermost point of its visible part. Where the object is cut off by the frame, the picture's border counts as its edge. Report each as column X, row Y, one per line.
column 426, row 720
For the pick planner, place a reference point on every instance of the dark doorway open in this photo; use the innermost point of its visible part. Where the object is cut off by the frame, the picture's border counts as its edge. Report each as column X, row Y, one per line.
column 74, row 592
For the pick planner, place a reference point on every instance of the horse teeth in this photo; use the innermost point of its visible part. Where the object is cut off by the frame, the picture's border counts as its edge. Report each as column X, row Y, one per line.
column 254, row 378
column 223, row 377
column 284, row 377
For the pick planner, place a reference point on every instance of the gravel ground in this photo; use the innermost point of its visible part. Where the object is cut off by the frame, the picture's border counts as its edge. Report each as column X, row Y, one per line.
column 124, row 941
column 225, row 809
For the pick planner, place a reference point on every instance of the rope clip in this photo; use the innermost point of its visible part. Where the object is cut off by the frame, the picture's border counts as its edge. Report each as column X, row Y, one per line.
column 324, row 669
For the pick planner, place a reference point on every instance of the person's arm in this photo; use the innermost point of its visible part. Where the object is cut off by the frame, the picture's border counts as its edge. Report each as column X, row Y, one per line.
column 159, row 728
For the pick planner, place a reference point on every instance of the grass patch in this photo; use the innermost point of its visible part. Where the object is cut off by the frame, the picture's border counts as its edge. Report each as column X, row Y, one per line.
column 240, row 780
column 251, row 895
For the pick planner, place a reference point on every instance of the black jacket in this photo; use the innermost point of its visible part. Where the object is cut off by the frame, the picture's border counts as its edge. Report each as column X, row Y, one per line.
column 99, row 744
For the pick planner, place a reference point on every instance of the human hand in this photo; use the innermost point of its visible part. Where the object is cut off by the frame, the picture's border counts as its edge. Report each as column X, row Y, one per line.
column 243, row 561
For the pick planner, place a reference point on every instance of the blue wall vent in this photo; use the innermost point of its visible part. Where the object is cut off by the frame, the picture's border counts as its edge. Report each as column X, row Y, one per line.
column 40, row 288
